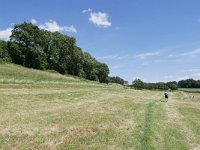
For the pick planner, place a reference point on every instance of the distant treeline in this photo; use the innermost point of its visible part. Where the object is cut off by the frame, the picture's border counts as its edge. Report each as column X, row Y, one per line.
column 189, row 83
column 33, row 47
column 139, row 84
column 118, row 80
column 173, row 85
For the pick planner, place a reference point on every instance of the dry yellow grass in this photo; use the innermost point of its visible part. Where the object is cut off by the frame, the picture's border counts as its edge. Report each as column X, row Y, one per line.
column 71, row 113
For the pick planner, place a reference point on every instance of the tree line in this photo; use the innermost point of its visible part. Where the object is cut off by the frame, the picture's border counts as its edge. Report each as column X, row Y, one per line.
column 139, row 84
column 33, row 47
column 118, row 80
column 173, row 85
column 189, row 83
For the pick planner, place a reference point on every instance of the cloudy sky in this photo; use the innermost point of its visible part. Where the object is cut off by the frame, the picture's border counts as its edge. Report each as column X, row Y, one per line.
column 155, row 40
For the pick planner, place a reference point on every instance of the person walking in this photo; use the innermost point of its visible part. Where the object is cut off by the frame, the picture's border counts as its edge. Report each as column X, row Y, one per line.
column 166, row 95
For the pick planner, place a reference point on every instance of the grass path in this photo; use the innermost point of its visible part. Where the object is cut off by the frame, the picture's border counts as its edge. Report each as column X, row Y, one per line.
column 176, row 118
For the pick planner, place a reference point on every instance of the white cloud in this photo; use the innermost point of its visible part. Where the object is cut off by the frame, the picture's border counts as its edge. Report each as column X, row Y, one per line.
column 69, row 29
column 100, row 19
column 50, row 26
column 134, row 78
column 33, row 21
column 168, row 60
column 138, row 77
column 113, row 57
column 145, row 55
column 53, row 27
column 86, row 10
column 5, row 34
column 191, row 53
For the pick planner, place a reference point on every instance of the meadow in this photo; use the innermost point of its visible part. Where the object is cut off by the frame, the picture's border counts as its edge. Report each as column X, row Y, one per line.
column 190, row 90
column 45, row 110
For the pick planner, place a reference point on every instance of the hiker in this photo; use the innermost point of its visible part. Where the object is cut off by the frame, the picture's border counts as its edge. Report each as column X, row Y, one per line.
column 166, row 95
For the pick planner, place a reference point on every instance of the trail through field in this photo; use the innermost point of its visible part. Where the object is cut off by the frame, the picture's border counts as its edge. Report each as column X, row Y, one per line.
column 177, row 119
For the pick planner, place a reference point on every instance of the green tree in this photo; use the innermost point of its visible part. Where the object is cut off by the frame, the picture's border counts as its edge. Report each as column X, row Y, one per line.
column 172, row 85
column 41, row 49
column 28, row 43
column 117, row 79
column 90, row 67
column 103, row 72
column 138, row 84
column 4, row 56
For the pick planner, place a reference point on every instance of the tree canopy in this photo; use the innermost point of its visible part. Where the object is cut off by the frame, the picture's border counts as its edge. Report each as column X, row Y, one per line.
column 139, row 84
column 189, row 83
column 33, row 47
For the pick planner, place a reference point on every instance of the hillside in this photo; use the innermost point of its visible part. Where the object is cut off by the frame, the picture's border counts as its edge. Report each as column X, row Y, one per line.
column 45, row 110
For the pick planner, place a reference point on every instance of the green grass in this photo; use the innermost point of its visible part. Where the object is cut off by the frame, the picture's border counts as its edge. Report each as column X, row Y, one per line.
column 191, row 117
column 190, row 90
column 45, row 110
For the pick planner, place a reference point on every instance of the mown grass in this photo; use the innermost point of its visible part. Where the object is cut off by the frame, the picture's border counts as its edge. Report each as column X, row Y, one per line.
column 191, row 117
column 42, row 110
column 190, row 90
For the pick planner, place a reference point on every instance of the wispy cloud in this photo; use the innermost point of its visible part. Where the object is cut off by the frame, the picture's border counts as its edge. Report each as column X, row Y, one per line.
column 112, row 57
column 86, row 10
column 116, row 67
column 100, row 19
column 5, row 34
column 168, row 60
column 148, row 54
column 191, row 53
column 192, row 75
column 53, row 27
column 191, row 70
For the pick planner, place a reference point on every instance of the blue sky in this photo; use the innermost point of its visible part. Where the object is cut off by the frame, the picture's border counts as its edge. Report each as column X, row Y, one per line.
column 155, row 40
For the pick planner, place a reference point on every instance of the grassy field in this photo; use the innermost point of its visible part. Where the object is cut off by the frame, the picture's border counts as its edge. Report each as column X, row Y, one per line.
column 42, row 110
column 190, row 90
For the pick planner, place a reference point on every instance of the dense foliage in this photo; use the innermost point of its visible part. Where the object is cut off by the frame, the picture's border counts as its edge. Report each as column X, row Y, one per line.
column 139, row 84
column 40, row 49
column 189, row 83
column 117, row 80
column 4, row 56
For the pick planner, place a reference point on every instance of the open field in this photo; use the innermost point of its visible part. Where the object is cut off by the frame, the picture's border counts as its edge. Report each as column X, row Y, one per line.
column 190, row 90
column 41, row 110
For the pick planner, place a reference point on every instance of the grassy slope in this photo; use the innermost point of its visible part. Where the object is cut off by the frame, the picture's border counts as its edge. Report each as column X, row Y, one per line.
column 41, row 110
